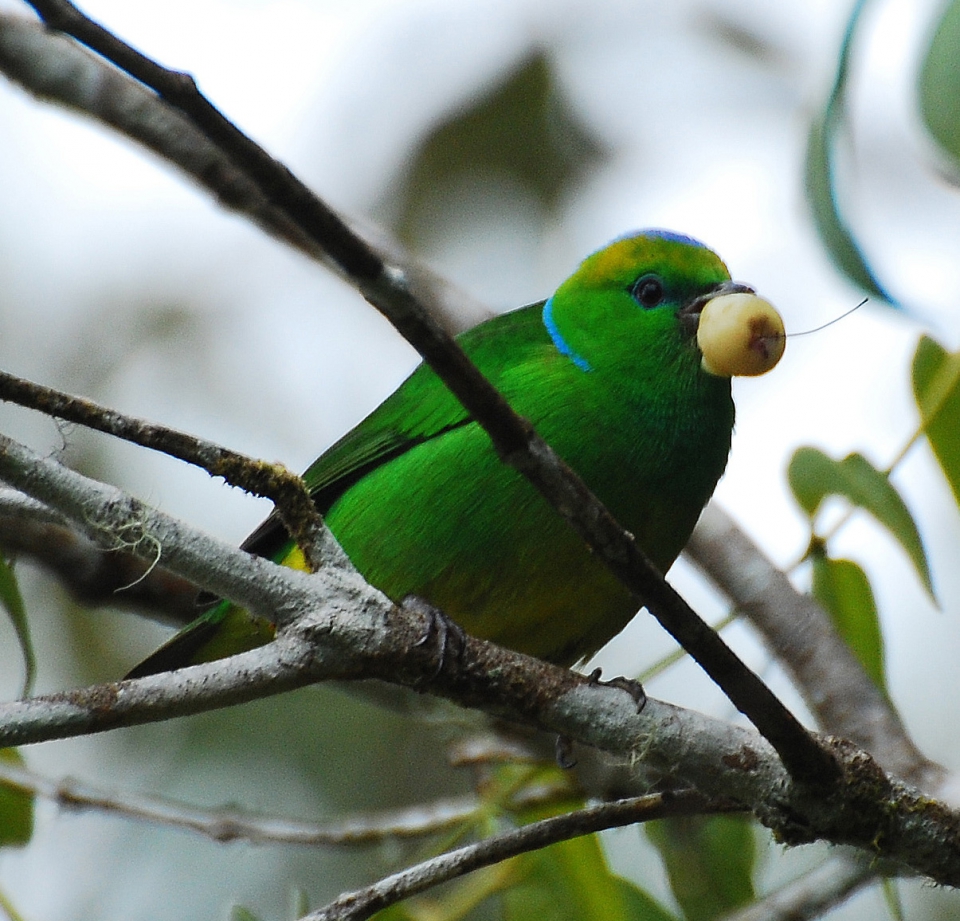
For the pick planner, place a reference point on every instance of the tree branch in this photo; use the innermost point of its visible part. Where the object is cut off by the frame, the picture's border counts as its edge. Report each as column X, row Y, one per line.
column 271, row 481
column 362, row 903
column 333, row 625
column 814, row 893
column 800, row 634
column 227, row 824
column 91, row 574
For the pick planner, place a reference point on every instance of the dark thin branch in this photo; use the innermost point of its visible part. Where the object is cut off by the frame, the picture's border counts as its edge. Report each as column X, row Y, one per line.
column 57, row 69
column 799, row 633
column 180, row 90
column 362, row 903
column 390, row 291
column 271, row 481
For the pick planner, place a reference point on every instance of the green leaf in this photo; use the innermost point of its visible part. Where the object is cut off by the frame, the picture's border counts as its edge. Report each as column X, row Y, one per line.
column 844, row 592
column 835, row 234
column 16, row 807
column 709, row 861
column 241, row 913
column 398, row 912
column 936, row 388
column 567, row 881
column 520, row 132
column 571, row 881
column 840, row 243
column 938, row 84
column 813, row 476
column 12, row 601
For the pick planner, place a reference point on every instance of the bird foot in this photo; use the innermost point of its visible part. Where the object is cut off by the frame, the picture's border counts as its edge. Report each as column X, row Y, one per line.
column 632, row 687
column 440, row 631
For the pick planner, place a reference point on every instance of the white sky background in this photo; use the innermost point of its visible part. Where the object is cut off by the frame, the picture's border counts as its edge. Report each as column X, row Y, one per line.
column 276, row 358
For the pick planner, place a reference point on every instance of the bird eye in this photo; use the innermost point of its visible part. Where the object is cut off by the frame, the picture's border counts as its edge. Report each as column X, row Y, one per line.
column 647, row 291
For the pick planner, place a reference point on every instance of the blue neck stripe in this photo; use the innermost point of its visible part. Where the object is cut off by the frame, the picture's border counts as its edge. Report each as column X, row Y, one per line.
column 562, row 345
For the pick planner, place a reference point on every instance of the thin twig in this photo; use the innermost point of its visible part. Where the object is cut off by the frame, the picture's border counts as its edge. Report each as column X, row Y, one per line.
column 388, row 288
column 226, row 824
column 362, row 903
column 271, row 481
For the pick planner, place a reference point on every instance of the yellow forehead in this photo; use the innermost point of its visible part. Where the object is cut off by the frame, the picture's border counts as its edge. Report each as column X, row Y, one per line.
column 669, row 255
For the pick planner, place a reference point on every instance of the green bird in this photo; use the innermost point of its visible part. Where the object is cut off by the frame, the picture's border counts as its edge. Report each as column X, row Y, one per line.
column 610, row 373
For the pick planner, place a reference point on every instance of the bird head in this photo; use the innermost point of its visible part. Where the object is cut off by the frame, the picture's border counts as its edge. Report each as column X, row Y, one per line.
column 650, row 302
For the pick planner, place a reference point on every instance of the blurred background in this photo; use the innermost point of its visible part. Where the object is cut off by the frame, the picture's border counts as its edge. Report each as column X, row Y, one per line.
column 501, row 141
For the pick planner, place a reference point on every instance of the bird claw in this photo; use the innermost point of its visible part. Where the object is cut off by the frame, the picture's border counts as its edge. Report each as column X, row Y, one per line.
column 564, row 753
column 564, row 746
column 632, row 687
column 447, row 634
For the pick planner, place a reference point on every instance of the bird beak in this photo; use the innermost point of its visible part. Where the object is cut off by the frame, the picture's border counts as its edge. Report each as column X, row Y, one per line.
column 690, row 314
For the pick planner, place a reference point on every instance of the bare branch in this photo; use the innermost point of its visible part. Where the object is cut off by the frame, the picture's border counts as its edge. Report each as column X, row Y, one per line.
column 335, row 626
column 227, row 824
column 361, row 904
column 271, row 481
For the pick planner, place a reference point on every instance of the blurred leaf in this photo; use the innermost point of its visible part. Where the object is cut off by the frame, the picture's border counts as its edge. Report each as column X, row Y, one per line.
column 820, row 182
column 844, row 592
column 813, row 476
column 709, row 861
column 744, row 37
column 836, row 236
column 522, row 130
column 399, row 912
column 568, row 881
column 939, row 83
column 571, row 881
column 240, row 913
column 300, row 903
column 16, row 807
column 12, row 601
column 936, row 388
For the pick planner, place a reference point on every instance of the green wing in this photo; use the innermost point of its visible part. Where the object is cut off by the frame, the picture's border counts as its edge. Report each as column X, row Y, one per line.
column 421, row 409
